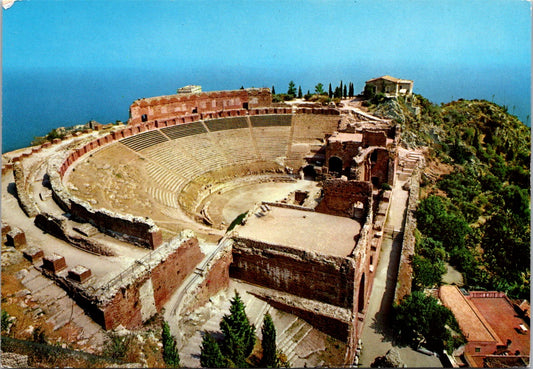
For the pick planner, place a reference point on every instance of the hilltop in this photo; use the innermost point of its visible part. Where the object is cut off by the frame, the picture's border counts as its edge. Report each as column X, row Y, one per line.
column 475, row 190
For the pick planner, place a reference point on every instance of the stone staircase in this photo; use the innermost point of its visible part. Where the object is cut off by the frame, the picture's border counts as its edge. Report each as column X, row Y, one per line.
column 58, row 307
column 407, row 164
column 296, row 338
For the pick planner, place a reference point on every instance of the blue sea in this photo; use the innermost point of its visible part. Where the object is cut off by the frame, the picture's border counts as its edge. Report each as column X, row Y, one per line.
column 36, row 101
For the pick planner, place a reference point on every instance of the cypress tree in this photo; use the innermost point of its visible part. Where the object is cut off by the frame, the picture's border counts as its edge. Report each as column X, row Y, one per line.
column 269, row 343
column 210, row 356
column 345, row 92
column 350, row 90
column 273, row 90
column 340, row 90
column 170, row 351
column 330, row 92
column 300, row 92
column 337, row 92
column 239, row 334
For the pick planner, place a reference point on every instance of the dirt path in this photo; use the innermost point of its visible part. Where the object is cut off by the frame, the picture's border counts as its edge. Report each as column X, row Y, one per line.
column 376, row 335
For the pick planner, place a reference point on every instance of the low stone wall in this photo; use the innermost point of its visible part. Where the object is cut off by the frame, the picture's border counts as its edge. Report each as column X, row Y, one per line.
column 25, row 200
column 137, row 230
column 315, row 110
column 58, row 228
column 405, row 270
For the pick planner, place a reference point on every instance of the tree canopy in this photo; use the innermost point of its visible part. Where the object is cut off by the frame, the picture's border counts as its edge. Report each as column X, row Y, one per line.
column 268, row 343
column 170, row 350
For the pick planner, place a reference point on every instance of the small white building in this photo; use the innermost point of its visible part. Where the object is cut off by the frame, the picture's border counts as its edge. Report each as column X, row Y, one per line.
column 390, row 86
column 190, row 89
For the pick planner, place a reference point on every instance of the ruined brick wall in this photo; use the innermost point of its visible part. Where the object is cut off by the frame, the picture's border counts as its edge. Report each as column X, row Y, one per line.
column 137, row 230
column 171, row 106
column 139, row 292
column 379, row 168
column 259, row 97
column 125, row 308
column 216, row 279
column 340, row 196
column 57, row 227
column 317, row 277
column 374, row 138
column 171, row 273
column 343, row 150
column 335, row 327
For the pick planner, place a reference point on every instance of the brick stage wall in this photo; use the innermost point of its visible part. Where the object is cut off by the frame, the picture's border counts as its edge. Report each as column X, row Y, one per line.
column 340, row 196
column 322, row 278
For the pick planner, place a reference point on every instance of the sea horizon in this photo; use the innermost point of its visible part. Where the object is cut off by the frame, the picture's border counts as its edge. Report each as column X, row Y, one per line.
column 36, row 101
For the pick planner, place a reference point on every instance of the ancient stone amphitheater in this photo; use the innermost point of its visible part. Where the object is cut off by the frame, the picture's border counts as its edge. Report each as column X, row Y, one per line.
column 139, row 213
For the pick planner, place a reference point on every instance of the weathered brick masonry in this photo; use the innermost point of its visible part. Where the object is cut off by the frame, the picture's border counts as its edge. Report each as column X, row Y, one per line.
column 325, row 278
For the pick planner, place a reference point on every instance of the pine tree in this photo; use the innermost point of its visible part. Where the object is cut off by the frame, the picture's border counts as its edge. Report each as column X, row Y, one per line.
column 330, row 92
column 210, row 356
column 170, row 351
column 239, row 334
column 273, row 90
column 292, row 89
column 269, row 343
column 300, row 92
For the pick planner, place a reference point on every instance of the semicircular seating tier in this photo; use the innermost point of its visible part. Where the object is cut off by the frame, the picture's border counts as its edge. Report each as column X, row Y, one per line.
column 181, row 160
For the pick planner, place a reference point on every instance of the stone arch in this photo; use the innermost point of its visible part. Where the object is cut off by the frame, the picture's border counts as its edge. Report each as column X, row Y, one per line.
column 361, row 297
column 309, row 171
column 335, row 164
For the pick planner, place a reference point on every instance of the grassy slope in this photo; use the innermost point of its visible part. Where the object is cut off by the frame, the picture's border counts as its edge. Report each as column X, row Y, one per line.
column 486, row 196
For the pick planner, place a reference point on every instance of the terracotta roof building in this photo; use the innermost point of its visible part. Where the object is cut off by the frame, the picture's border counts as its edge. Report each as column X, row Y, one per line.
column 390, row 86
column 493, row 330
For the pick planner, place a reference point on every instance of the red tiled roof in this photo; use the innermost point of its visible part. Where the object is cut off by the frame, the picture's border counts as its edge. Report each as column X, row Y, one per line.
column 471, row 322
column 391, row 79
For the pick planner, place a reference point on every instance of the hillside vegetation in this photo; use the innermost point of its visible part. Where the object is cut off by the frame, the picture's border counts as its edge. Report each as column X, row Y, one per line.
column 477, row 215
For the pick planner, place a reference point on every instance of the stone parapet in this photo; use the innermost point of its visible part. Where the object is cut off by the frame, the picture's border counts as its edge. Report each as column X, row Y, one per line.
column 405, row 270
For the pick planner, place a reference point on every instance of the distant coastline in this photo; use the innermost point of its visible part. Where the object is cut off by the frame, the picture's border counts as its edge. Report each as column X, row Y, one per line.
column 35, row 102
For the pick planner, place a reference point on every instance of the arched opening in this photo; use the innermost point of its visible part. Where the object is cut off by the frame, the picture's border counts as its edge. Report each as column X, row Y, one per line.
column 309, row 171
column 361, row 300
column 335, row 164
column 144, row 117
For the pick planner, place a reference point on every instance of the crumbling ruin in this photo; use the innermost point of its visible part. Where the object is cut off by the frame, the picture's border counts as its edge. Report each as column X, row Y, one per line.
column 123, row 198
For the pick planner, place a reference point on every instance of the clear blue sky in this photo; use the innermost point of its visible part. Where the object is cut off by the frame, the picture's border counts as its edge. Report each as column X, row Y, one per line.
column 155, row 34
column 66, row 62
